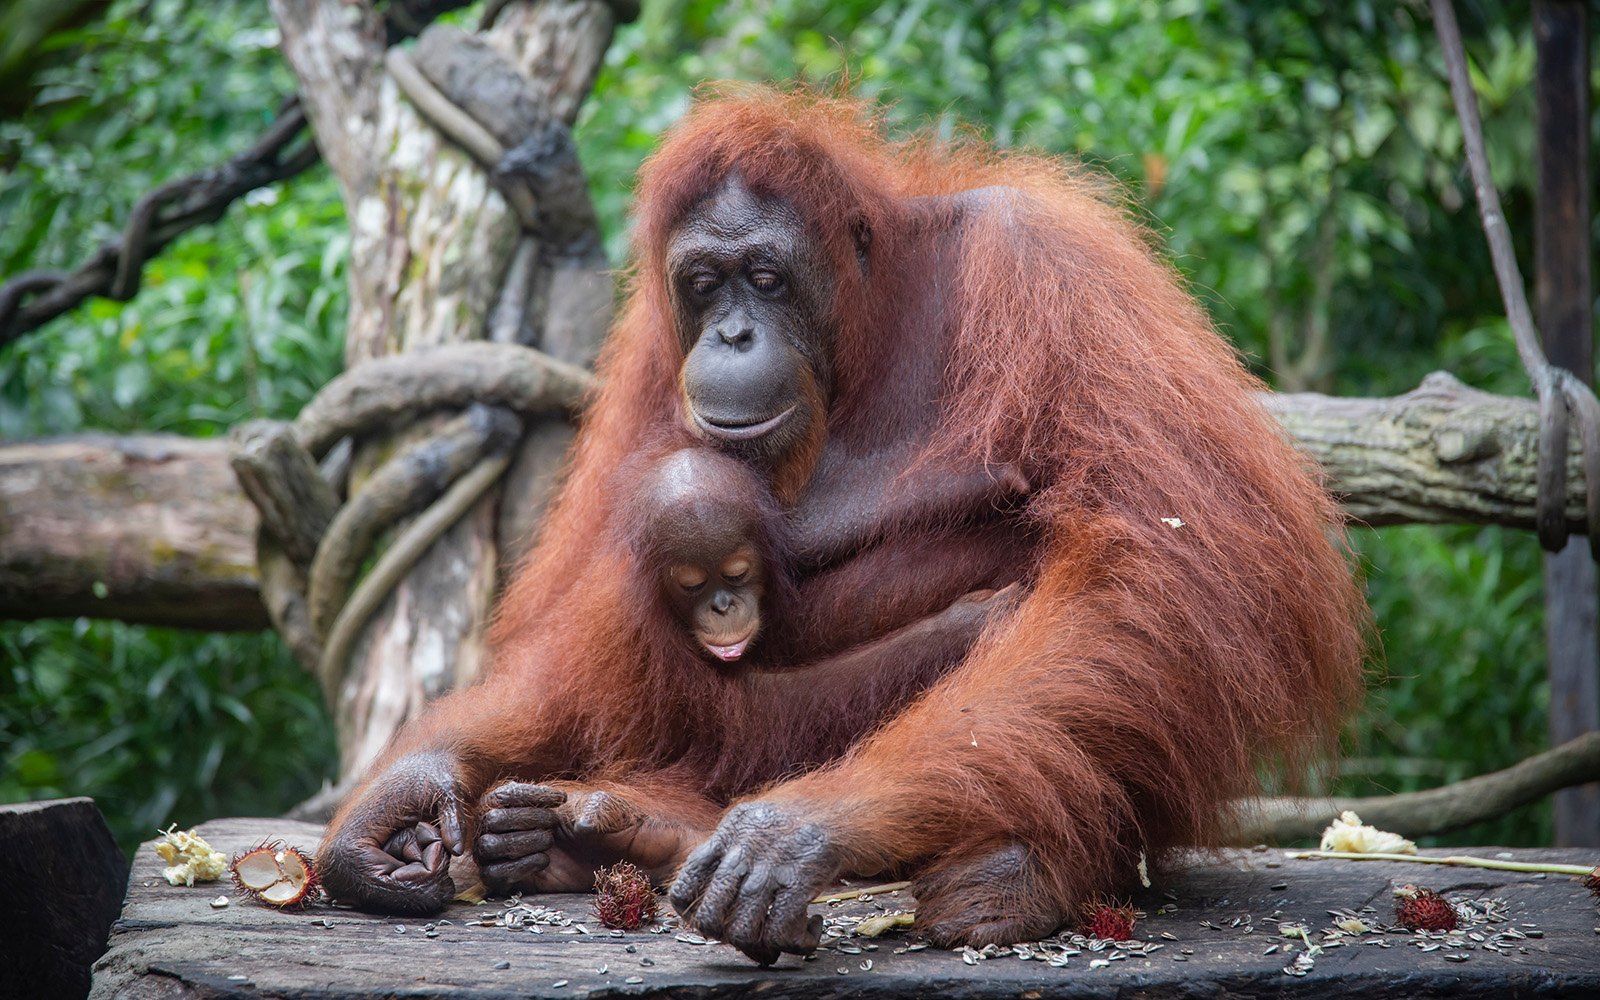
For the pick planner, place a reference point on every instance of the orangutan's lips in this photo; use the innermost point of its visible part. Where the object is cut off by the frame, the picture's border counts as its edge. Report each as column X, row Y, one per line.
column 728, row 653
column 739, row 432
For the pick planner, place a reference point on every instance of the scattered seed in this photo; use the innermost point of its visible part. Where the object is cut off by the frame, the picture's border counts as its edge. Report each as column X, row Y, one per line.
column 843, row 970
column 1099, row 963
column 219, row 902
column 1535, row 934
column 1168, row 936
column 502, row 964
column 630, row 949
column 633, row 979
column 558, row 984
column 1270, row 950
column 1279, row 886
column 647, row 962
column 1458, row 957
column 604, row 970
column 1180, row 958
column 866, row 966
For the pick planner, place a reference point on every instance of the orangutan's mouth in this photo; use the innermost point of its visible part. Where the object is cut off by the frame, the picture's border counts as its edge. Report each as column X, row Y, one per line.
column 729, row 651
column 738, row 432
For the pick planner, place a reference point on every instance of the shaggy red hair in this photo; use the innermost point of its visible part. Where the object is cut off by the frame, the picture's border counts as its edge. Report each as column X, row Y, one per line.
column 1154, row 665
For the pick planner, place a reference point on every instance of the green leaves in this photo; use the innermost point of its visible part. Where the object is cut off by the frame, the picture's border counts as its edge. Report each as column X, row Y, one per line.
column 158, row 725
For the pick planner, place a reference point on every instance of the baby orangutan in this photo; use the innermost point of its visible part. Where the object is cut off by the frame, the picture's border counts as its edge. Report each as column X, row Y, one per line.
column 713, row 530
column 710, row 551
column 723, row 548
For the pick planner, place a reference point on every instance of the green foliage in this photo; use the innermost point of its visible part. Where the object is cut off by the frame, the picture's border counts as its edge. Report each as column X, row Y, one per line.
column 158, row 725
column 238, row 319
column 1462, row 689
column 1300, row 162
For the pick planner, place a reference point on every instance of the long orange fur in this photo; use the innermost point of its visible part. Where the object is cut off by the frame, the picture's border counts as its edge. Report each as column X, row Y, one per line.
column 1151, row 670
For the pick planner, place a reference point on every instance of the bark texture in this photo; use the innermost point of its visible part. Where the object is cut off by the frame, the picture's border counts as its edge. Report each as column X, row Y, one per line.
column 150, row 528
column 432, row 237
column 1442, row 453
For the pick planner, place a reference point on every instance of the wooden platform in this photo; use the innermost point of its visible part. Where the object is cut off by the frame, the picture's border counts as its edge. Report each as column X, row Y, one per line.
column 1217, row 926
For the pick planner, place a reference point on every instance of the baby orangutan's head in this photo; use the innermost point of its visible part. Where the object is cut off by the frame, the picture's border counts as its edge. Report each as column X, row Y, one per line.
column 707, row 521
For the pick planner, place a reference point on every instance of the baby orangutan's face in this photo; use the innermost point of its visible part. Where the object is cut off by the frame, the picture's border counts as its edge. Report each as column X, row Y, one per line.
column 720, row 600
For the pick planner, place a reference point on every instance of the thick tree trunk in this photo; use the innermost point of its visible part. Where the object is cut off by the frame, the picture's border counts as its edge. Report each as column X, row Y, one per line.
column 1562, row 246
column 431, row 241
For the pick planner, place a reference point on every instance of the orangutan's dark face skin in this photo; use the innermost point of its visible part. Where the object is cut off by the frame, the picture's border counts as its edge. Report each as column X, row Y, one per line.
column 751, row 298
column 719, row 599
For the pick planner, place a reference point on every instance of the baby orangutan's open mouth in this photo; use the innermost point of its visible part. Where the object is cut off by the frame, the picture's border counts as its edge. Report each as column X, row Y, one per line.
column 724, row 647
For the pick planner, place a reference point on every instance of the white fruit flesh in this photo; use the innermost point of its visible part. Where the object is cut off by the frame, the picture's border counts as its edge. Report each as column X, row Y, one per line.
column 258, row 870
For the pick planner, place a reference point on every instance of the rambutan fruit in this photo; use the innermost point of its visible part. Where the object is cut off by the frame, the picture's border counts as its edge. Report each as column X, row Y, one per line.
column 623, row 897
column 276, row 874
column 1103, row 918
column 1420, row 909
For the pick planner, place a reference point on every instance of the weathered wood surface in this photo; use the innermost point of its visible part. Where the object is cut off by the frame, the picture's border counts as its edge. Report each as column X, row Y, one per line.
column 61, row 878
column 171, row 943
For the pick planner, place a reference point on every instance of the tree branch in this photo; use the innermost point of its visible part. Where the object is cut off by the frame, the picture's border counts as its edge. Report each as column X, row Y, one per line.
column 379, row 391
column 1424, row 813
column 160, row 217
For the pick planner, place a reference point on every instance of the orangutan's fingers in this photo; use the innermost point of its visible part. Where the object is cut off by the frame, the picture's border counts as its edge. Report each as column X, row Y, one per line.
column 505, row 846
column 521, row 793
column 520, row 818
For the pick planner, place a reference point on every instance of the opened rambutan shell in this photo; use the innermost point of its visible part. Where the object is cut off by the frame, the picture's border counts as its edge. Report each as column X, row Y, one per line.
column 276, row 874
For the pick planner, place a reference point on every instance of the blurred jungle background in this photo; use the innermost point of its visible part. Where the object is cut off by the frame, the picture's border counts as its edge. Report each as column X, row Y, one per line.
column 1301, row 161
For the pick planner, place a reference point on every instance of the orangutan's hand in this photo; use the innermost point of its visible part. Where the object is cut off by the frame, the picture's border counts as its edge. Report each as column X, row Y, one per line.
column 391, row 852
column 751, row 884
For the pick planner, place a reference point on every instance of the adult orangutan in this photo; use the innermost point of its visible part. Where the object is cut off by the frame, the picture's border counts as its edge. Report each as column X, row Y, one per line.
column 847, row 314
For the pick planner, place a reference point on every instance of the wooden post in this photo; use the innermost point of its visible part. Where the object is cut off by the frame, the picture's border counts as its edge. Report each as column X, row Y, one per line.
column 1562, row 253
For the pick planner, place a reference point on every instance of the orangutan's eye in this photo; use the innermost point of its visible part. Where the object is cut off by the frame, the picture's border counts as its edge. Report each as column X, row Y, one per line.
column 690, row 578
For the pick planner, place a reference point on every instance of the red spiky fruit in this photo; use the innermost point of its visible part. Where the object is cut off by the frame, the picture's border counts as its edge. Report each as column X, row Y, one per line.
column 1103, row 918
column 276, row 874
column 1420, row 909
column 623, row 897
